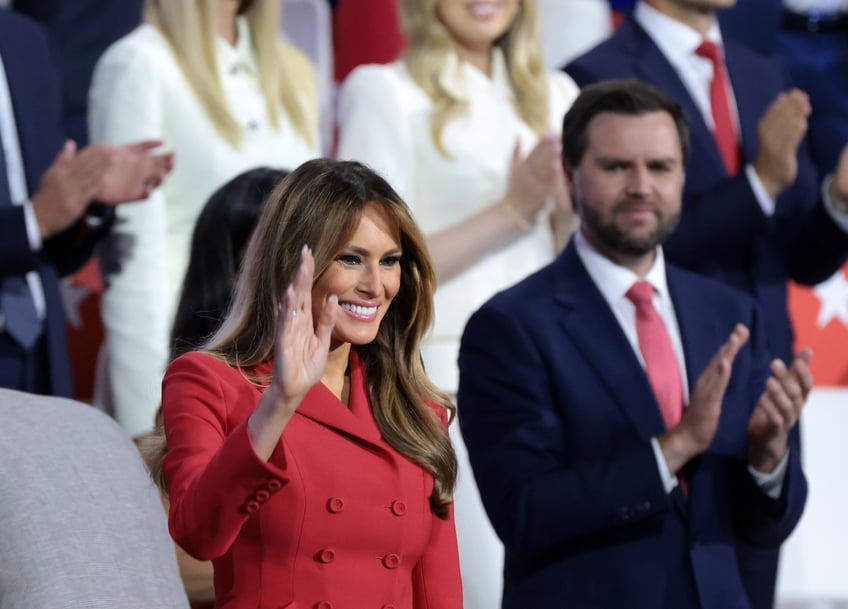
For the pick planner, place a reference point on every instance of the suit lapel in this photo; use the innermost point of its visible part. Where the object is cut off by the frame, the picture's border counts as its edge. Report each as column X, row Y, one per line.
column 323, row 407
column 597, row 335
column 747, row 104
column 649, row 64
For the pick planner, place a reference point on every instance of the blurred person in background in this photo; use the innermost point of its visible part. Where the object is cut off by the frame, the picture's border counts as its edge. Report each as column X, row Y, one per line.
column 215, row 82
column 465, row 125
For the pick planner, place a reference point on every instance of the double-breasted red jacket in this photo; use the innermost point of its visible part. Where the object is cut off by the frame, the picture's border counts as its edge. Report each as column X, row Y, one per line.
column 335, row 519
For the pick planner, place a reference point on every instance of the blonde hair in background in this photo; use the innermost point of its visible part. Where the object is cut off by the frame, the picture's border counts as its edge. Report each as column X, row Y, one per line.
column 286, row 75
column 429, row 45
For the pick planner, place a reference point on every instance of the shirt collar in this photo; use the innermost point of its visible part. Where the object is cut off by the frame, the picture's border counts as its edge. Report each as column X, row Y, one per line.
column 462, row 79
column 674, row 38
column 614, row 280
column 240, row 57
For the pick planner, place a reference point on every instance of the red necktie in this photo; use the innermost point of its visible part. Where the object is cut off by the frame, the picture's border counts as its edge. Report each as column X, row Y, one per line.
column 660, row 360
column 724, row 128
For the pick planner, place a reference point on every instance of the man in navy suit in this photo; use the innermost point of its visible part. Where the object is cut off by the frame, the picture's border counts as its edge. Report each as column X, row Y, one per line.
column 756, row 228
column 606, row 491
column 47, row 223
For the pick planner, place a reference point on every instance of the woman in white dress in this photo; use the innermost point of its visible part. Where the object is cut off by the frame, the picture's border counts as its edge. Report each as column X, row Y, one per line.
column 466, row 126
column 214, row 81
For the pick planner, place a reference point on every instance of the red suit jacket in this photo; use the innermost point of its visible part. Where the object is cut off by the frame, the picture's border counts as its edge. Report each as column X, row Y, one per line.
column 335, row 519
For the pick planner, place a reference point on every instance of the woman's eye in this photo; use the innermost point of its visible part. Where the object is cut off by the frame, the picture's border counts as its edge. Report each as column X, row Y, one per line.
column 348, row 259
column 390, row 260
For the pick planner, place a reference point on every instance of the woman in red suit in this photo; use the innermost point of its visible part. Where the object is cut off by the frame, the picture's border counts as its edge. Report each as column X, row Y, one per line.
column 308, row 454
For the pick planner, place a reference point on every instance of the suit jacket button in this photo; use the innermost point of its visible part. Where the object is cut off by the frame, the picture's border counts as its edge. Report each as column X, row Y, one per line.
column 335, row 505
column 326, row 556
column 274, row 485
column 398, row 508
column 324, row 605
column 262, row 496
column 251, row 506
column 391, row 561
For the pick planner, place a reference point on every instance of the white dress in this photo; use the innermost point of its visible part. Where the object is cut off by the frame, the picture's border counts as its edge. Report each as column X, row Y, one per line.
column 138, row 92
column 384, row 122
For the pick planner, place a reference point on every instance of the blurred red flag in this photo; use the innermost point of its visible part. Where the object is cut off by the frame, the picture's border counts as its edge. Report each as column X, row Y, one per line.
column 820, row 318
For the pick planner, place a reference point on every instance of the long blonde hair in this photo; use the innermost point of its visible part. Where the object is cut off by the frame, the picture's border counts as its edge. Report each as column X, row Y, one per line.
column 190, row 27
column 429, row 44
column 319, row 204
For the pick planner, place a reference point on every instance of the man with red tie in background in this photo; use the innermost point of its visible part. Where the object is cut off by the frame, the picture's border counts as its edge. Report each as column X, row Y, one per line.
column 755, row 211
column 621, row 419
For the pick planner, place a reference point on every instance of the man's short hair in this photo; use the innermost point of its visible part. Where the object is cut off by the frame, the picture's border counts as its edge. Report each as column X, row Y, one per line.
column 628, row 97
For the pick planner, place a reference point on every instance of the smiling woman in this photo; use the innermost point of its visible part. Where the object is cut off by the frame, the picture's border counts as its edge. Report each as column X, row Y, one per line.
column 305, row 434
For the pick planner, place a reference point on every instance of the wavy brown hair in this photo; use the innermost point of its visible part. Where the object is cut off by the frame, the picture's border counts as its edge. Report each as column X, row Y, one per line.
column 429, row 44
column 319, row 205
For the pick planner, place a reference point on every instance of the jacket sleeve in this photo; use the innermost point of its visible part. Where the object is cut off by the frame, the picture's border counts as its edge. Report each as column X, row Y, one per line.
column 537, row 494
column 435, row 579
column 215, row 479
column 126, row 105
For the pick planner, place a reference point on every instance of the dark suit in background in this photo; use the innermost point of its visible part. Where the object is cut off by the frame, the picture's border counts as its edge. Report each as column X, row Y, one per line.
column 36, row 104
column 557, row 414
column 79, row 32
column 815, row 55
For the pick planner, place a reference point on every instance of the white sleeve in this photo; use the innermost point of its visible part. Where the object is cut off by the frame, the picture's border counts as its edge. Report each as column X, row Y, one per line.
column 125, row 105
column 562, row 91
column 374, row 125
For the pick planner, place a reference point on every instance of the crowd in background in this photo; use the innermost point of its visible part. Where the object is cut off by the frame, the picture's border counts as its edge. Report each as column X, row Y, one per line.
column 200, row 109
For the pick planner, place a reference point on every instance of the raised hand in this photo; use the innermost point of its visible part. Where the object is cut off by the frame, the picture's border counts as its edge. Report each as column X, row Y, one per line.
column 302, row 346
column 66, row 188
column 533, row 179
column 699, row 423
column 133, row 171
column 778, row 410
column 780, row 131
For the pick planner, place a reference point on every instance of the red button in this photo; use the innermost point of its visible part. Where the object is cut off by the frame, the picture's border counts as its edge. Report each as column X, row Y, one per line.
column 389, row 606
column 274, row 485
column 398, row 508
column 326, row 556
column 251, row 506
column 335, row 505
column 324, row 605
column 262, row 496
column 391, row 561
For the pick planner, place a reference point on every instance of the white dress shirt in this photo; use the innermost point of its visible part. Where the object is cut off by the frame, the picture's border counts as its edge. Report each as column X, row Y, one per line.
column 139, row 92
column 613, row 281
column 384, row 122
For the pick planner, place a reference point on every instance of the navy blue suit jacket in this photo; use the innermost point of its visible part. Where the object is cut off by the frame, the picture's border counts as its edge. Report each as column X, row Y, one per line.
column 723, row 232
column 80, row 31
column 34, row 90
column 557, row 415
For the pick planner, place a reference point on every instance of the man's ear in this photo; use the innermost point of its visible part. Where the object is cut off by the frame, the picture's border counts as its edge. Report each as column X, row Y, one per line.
column 569, row 178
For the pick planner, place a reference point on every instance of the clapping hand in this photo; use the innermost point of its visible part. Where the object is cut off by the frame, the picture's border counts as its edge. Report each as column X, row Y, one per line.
column 778, row 410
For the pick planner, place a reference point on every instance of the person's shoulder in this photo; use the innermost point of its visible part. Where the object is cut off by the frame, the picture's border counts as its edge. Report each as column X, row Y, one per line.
column 200, row 362
column 527, row 294
column 562, row 91
column 377, row 77
column 144, row 42
column 708, row 288
column 19, row 30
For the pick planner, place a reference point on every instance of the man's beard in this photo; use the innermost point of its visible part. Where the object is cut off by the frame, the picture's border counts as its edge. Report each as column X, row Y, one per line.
column 615, row 239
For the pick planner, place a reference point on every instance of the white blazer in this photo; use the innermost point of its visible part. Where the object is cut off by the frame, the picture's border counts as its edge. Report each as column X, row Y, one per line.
column 139, row 92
